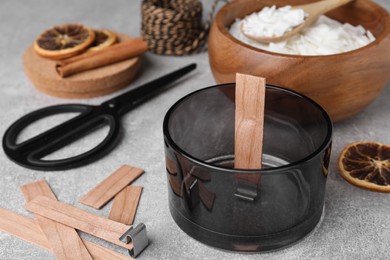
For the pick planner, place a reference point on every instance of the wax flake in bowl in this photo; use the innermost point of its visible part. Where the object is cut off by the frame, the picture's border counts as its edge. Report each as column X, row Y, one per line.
column 272, row 21
column 325, row 37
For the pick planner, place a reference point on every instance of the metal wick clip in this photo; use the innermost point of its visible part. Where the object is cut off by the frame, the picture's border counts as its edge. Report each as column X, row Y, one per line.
column 138, row 236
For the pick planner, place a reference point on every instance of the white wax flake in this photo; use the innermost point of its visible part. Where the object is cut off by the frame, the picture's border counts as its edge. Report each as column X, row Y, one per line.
column 325, row 37
column 272, row 21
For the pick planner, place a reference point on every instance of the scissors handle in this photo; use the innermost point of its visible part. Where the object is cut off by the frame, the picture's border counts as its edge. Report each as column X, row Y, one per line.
column 30, row 152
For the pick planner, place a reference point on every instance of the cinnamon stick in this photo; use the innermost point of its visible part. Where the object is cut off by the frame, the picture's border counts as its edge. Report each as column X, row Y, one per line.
column 110, row 55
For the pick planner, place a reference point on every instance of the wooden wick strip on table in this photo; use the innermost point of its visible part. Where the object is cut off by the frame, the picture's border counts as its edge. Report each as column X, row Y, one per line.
column 64, row 240
column 69, row 215
column 92, row 60
column 111, row 186
column 125, row 205
column 26, row 229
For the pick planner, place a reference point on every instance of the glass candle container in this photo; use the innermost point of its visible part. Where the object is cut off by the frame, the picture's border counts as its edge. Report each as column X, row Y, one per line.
column 241, row 209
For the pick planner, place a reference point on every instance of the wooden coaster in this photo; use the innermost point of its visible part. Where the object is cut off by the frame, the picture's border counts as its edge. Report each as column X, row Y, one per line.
column 92, row 83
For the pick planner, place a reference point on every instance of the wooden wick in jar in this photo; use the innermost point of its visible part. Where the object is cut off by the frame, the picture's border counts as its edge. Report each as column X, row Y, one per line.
column 249, row 124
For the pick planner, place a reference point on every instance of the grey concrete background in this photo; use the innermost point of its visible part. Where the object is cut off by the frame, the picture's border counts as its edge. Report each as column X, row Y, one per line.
column 356, row 224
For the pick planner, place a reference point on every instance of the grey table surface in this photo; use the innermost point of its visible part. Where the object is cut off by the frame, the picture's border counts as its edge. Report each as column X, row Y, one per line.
column 356, row 224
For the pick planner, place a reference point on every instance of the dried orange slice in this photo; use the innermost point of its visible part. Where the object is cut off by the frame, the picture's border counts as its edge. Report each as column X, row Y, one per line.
column 103, row 39
column 367, row 165
column 64, row 41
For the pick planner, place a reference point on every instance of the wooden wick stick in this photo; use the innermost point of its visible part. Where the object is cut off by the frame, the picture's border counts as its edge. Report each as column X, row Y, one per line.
column 111, row 186
column 125, row 205
column 249, row 122
column 27, row 230
column 92, row 60
column 64, row 241
column 76, row 218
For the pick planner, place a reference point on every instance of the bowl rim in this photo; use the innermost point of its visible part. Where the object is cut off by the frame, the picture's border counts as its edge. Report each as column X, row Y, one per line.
column 224, row 31
column 284, row 169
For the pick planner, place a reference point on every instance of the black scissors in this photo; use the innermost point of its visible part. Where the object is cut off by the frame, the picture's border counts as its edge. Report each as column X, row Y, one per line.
column 30, row 152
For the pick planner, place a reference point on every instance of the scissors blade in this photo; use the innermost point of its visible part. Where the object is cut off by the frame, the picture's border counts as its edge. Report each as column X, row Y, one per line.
column 125, row 102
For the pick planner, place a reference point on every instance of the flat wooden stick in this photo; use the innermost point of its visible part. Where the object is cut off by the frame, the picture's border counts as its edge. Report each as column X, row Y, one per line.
column 249, row 121
column 23, row 228
column 111, row 186
column 26, row 229
column 36, row 189
column 64, row 240
column 125, row 205
column 69, row 215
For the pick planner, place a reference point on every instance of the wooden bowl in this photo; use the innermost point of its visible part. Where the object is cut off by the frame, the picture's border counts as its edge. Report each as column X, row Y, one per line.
column 343, row 84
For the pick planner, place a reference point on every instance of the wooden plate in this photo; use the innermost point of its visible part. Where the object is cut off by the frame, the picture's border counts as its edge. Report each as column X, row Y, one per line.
column 92, row 83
